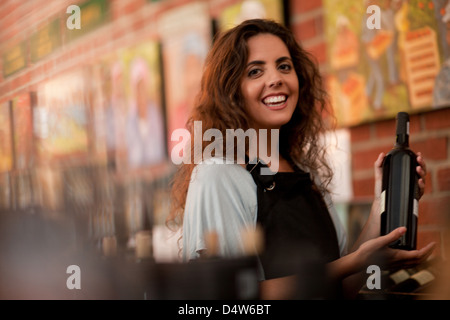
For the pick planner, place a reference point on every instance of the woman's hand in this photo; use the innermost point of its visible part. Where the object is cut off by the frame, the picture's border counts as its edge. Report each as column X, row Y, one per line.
column 422, row 171
column 378, row 171
column 377, row 251
column 352, row 267
column 372, row 227
column 378, row 168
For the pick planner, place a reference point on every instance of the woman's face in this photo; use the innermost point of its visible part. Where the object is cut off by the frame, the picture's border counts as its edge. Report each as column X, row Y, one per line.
column 269, row 84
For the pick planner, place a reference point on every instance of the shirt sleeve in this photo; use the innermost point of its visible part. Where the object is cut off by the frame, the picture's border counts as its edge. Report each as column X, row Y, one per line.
column 220, row 198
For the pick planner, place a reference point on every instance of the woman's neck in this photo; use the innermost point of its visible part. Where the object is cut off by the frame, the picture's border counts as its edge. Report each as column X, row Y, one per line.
column 268, row 151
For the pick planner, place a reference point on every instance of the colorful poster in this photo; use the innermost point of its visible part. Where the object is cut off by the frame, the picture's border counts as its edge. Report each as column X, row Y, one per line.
column 144, row 129
column 385, row 56
column 45, row 40
column 130, row 99
column 60, row 119
column 186, row 37
column 251, row 9
column 6, row 153
column 23, row 135
column 14, row 58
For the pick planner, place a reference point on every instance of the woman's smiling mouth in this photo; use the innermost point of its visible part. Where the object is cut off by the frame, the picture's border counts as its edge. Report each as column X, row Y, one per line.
column 275, row 101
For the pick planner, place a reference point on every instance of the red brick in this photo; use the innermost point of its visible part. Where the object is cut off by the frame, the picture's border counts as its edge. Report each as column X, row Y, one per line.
column 308, row 29
column 443, row 180
column 302, row 6
column 360, row 133
column 424, row 237
column 305, row 30
column 437, row 119
column 319, row 51
column 362, row 160
column 434, row 210
column 386, row 128
column 24, row 79
column 115, row 10
column 48, row 67
column 138, row 24
column 432, row 148
column 118, row 32
column 2, row 89
column 428, row 182
column 414, row 124
column 131, row 6
column 363, row 188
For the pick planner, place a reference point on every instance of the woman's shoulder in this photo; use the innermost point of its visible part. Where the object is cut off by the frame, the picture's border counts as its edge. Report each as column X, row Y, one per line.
column 216, row 176
column 218, row 168
column 217, row 189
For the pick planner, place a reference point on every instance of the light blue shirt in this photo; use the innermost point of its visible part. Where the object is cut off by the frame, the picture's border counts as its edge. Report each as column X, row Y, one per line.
column 223, row 198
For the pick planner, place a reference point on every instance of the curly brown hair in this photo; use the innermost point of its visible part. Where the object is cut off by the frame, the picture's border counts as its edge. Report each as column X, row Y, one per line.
column 220, row 105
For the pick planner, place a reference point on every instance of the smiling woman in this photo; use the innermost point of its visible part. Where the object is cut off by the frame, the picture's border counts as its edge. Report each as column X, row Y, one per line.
column 258, row 77
column 270, row 84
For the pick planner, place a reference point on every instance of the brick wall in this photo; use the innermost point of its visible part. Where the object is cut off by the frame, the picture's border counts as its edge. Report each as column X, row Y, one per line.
column 131, row 21
column 430, row 134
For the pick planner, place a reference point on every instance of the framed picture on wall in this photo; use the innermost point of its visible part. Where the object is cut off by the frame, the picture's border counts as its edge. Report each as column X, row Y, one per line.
column 6, row 151
column 129, row 112
column 251, row 9
column 186, row 34
column 144, row 127
column 6, row 156
column 60, row 118
column 386, row 56
column 22, row 131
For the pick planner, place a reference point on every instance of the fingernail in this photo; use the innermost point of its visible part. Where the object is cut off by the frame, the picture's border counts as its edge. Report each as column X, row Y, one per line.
column 402, row 230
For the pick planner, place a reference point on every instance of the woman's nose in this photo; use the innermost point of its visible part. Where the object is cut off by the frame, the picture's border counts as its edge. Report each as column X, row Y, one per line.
column 276, row 82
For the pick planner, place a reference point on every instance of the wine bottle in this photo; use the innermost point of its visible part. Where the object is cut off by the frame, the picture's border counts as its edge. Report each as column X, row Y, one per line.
column 394, row 278
column 399, row 193
column 417, row 282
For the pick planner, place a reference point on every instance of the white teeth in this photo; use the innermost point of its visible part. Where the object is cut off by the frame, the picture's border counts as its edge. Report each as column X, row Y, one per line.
column 274, row 99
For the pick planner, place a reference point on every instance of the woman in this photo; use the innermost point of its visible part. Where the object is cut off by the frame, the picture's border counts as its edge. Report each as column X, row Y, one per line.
column 256, row 76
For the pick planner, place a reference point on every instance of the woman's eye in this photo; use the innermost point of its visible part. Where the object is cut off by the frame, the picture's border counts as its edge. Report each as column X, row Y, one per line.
column 285, row 67
column 254, row 72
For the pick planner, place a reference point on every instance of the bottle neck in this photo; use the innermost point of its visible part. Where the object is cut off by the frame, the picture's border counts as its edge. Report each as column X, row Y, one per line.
column 402, row 141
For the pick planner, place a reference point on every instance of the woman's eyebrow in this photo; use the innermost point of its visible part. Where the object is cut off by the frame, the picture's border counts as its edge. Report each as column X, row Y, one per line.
column 255, row 62
column 281, row 59
column 260, row 62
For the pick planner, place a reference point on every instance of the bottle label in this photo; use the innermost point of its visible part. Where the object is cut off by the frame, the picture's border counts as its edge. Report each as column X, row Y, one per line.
column 416, row 208
column 383, row 202
column 399, row 276
column 423, row 277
